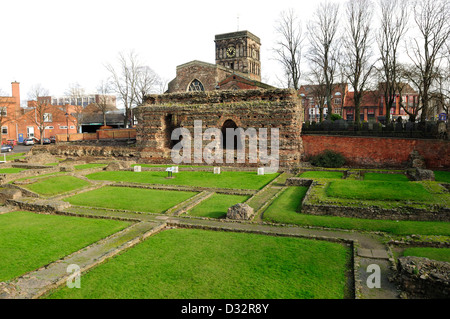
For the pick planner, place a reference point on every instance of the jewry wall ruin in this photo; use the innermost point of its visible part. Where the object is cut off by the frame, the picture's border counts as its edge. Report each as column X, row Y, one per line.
column 258, row 109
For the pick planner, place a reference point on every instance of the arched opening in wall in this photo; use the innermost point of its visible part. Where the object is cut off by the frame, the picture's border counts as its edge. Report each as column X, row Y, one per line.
column 236, row 141
column 170, row 124
column 196, row 86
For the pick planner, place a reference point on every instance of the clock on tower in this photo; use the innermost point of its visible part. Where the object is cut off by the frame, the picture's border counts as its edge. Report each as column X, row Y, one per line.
column 239, row 51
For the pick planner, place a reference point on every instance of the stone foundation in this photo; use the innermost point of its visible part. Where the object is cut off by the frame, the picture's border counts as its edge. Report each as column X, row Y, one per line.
column 424, row 278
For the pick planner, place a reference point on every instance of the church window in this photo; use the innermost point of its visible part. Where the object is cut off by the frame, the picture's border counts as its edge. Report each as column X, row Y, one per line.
column 196, row 86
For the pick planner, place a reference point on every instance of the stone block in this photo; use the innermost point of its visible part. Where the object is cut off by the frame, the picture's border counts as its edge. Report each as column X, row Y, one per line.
column 240, row 212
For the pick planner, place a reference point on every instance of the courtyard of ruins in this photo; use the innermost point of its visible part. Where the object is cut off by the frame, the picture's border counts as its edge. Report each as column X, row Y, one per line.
column 135, row 233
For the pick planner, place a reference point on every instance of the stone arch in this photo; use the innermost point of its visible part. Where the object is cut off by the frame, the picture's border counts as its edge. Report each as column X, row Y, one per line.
column 232, row 125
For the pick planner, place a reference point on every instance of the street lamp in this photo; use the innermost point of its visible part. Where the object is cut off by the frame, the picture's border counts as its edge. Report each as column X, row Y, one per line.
column 67, row 125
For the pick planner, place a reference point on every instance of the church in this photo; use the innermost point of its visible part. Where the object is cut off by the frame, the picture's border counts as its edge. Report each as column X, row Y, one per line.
column 237, row 67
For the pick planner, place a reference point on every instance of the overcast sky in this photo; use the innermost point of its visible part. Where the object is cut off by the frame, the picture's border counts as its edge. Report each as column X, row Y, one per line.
column 60, row 42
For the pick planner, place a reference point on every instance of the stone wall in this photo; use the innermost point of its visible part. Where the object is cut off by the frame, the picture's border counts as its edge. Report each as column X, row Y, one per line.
column 247, row 109
column 424, row 278
column 379, row 151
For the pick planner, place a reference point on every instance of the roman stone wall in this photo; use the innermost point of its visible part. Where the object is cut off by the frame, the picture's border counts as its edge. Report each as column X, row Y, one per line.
column 247, row 109
column 380, row 151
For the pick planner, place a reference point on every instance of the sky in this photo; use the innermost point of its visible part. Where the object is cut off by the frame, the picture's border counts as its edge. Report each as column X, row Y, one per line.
column 57, row 43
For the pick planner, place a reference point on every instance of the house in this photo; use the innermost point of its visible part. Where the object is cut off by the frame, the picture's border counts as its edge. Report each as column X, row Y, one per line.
column 314, row 96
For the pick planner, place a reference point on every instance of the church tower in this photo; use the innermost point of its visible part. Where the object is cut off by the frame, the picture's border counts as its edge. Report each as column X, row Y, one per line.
column 239, row 51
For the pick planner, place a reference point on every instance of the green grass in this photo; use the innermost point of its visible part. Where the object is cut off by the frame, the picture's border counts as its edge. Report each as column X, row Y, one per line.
column 134, row 199
column 217, row 205
column 322, row 174
column 170, row 165
column 385, row 177
column 57, row 185
column 14, row 156
column 242, row 180
column 11, row 170
column 378, row 190
column 198, row 264
column 87, row 166
column 441, row 254
column 285, row 210
column 29, row 241
column 441, row 176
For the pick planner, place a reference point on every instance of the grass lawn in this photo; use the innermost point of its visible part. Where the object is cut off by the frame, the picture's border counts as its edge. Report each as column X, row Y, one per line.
column 170, row 165
column 87, row 166
column 441, row 254
column 12, row 157
column 29, row 241
column 441, row 176
column 285, row 210
column 242, row 180
column 378, row 190
column 135, row 199
column 11, row 170
column 385, row 177
column 198, row 264
column 217, row 205
column 322, row 174
column 57, row 185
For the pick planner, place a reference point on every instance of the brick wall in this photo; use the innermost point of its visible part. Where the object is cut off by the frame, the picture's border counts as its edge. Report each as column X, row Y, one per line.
column 379, row 151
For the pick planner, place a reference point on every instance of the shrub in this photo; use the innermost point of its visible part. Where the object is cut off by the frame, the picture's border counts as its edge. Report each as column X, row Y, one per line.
column 328, row 159
column 335, row 117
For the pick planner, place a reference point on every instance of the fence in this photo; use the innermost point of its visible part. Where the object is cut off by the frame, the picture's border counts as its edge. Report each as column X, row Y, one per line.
column 430, row 129
column 106, row 134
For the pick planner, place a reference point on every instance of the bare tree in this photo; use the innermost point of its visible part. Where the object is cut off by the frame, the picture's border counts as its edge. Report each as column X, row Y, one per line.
column 394, row 21
column 324, row 48
column 432, row 18
column 357, row 43
column 103, row 103
column 76, row 92
column 288, row 49
column 132, row 81
column 318, row 88
column 41, row 108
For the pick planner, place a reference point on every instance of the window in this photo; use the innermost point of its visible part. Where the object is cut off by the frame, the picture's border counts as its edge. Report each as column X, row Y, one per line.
column 48, row 117
column 49, row 127
column 72, row 127
column 338, row 100
column 4, row 130
column 3, row 111
column 63, row 127
column 196, row 86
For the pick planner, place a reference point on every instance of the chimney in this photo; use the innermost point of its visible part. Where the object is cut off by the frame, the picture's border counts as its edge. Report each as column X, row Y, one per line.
column 16, row 95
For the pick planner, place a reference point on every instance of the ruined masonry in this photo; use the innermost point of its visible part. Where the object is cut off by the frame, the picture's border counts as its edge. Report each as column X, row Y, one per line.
column 275, row 108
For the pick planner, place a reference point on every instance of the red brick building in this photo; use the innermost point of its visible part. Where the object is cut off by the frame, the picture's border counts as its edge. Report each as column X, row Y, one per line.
column 313, row 96
column 373, row 107
column 18, row 123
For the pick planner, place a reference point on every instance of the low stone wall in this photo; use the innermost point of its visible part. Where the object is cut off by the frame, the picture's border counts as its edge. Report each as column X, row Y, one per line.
column 297, row 181
column 424, row 278
column 46, row 206
column 374, row 212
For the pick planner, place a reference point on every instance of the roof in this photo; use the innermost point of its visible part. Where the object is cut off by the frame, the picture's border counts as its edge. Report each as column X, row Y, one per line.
column 237, row 34
column 243, row 79
column 111, row 118
column 370, row 99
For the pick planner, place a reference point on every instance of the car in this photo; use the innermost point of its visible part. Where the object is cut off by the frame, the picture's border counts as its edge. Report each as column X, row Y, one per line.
column 45, row 141
column 6, row 148
column 53, row 139
column 11, row 142
column 28, row 141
